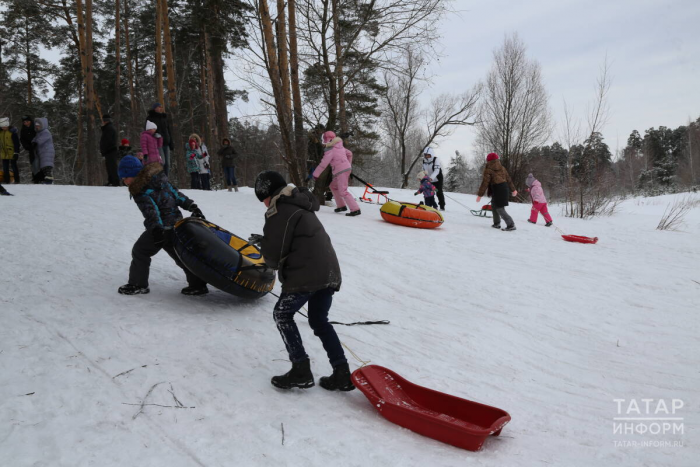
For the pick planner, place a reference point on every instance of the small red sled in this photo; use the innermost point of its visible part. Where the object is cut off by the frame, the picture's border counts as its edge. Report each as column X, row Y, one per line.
column 580, row 239
column 434, row 414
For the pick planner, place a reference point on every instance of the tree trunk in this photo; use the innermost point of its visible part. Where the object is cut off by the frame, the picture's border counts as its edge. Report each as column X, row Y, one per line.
column 273, row 69
column 130, row 73
column 29, row 67
column 173, row 108
column 296, row 92
column 159, row 53
column 118, row 57
column 211, row 105
column 85, row 34
column 339, row 69
column 330, row 76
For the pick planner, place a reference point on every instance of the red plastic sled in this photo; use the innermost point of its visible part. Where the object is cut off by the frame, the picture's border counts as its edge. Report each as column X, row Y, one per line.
column 579, row 239
column 434, row 414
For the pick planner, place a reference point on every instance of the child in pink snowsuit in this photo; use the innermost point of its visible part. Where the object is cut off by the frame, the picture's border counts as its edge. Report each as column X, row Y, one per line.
column 539, row 202
column 340, row 160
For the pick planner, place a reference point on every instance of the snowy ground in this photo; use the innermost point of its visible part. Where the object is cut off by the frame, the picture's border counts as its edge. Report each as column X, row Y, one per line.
column 550, row 331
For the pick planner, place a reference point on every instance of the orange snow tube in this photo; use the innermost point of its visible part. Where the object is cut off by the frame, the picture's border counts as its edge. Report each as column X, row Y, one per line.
column 411, row 215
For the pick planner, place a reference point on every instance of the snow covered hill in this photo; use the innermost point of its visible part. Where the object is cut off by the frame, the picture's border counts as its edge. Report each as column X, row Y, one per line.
column 550, row 331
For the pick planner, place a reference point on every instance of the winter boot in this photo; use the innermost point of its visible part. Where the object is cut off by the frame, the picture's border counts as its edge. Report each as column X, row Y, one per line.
column 344, row 208
column 353, row 213
column 509, row 228
column 531, row 222
column 235, row 188
column 230, row 189
column 339, row 380
column 190, row 290
column 496, row 226
column 298, row 377
column 549, row 224
column 130, row 289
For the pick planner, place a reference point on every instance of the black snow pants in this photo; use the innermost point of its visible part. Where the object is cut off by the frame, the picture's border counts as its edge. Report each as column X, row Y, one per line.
column 144, row 249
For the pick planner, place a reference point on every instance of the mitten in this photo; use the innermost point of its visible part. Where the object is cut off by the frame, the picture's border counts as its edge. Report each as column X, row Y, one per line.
column 196, row 212
column 255, row 239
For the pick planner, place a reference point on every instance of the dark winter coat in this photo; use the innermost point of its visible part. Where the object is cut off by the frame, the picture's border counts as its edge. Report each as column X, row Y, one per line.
column 157, row 199
column 125, row 151
column 27, row 134
column 228, row 156
column 164, row 128
column 296, row 243
column 426, row 188
column 497, row 179
column 9, row 143
column 43, row 144
column 108, row 141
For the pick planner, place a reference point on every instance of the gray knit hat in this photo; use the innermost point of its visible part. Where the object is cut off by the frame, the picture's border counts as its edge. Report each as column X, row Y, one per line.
column 530, row 180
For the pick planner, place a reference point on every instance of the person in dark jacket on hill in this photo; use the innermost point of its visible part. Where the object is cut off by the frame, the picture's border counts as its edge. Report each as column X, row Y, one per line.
column 26, row 135
column 109, row 150
column 497, row 181
column 295, row 243
column 228, row 157
column 159, row 202
column 158, row 116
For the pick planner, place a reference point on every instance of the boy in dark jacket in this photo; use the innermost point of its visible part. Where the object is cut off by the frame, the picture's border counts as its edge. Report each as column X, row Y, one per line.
column 158, row 200
column 295, row 243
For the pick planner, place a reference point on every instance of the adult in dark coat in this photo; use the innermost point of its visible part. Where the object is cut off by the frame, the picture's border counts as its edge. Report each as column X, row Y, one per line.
column 228, row 157
column 158, row 116
column 159, row 203
column 109, row 150
column 296, row 244
column 497, row 181
column 26, row 135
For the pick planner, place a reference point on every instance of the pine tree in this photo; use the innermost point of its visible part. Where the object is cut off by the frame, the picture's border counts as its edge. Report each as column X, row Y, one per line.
column 458, row 174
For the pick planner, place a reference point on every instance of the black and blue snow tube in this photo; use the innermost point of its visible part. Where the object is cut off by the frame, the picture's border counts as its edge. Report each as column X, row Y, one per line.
column 222, row 259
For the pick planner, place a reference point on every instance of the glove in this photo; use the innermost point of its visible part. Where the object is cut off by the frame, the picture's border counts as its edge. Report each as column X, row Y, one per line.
column 196, row 212
column 255, row 239
column 478, row 198
column 515, row 193
column 157, row 135
column 163, row 238
column 415, row 194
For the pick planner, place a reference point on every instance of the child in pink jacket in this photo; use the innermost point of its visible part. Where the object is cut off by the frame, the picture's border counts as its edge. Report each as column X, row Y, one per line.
column 539, row 202
column 340, row 160
column 150, row 144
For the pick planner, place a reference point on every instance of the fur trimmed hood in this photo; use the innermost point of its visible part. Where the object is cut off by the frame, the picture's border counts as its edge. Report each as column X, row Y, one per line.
column 144, row 178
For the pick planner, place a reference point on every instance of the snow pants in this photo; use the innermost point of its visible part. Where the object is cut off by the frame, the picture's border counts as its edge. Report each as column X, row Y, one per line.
column 144, row 249
column 319, row 305
column 539, row 208
column 430, row 201
column 339, row 187
column 438, row 191
column 498, row 212
column 6, row 170
column 204, row 178
column 195, row 182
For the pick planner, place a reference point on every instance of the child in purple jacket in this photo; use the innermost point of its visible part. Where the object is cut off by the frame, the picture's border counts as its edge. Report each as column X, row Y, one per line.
column 539, row 202
column 427, row 188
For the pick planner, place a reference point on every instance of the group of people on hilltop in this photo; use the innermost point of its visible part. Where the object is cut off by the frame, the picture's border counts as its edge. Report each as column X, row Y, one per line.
column 34, row 137
column 156, row 144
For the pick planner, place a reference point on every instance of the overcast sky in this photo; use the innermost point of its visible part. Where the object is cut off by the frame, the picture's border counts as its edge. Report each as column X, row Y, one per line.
column 653, row 48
